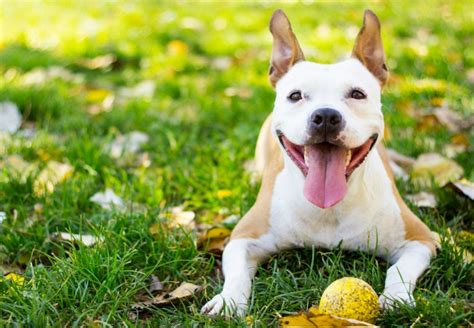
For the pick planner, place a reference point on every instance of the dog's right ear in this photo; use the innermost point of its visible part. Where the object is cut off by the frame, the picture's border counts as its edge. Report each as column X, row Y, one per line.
column 286, row 49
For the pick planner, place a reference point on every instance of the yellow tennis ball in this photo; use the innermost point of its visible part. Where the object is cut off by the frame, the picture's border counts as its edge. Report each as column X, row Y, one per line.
column 350, row 298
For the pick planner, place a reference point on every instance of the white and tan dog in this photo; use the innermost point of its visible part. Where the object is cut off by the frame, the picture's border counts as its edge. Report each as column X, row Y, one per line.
column 325, row 177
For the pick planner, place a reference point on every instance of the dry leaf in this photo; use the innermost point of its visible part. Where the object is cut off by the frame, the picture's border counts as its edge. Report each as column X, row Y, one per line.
column 238, row 92
column 10, row 117
column 86, row 240
column 398, row 171
column 99, row 62
column 185, row 290
column 464, row 187
column 214, row 240
column 155, row 285
column 423, row 199
column 53, row 174
column 144, row 89
column 129, row 143
column 314, row 318
column 17, row 167
column 443, row 116
column 405, row 162
column 181, row 218
column 108, row 200
column 442, row 169
column 43, row 75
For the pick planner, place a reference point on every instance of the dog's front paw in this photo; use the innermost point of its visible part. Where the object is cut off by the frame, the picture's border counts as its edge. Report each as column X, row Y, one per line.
column 226, row 305
column 392, row 296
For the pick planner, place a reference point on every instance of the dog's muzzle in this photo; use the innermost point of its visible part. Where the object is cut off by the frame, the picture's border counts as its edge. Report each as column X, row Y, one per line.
column 324, row 125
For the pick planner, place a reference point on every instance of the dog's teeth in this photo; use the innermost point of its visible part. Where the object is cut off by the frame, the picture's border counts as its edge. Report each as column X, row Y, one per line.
column 305, row 155
column 348, row 157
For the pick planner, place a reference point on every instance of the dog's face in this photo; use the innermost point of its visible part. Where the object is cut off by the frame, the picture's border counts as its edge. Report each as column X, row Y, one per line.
column 327, row 117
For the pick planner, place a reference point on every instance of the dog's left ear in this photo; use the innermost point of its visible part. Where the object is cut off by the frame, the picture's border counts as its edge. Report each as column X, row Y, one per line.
column 286, row 49
column 368, row 47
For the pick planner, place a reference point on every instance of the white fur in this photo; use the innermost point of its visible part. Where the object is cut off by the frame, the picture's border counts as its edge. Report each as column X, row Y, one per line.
column 368, row 218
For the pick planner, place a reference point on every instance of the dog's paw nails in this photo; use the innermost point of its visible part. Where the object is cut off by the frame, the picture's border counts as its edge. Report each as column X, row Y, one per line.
column 226, row 306
column 388, row 300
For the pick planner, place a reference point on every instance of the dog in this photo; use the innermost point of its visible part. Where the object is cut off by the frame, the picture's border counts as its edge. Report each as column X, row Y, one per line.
column 326, row 181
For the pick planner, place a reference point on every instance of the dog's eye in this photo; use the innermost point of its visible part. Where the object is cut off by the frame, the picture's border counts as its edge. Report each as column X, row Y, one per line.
column 295, row 96
column 357, row 94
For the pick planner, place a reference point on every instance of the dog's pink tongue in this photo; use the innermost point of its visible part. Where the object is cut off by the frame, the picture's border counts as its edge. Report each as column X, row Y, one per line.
column 325, row 183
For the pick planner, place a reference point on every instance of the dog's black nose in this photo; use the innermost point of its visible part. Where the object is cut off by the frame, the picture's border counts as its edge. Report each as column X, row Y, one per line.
column 325, row 124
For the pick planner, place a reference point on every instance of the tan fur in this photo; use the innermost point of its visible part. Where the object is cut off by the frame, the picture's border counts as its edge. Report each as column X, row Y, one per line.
column 286, row 49
column 269, row 162
column 368, row 47
column 415, row 229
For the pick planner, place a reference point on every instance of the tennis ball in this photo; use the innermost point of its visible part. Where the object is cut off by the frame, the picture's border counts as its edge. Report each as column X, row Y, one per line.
column 350, row 298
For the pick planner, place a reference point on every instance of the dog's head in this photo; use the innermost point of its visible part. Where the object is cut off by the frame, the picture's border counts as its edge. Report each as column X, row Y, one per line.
column 327, row 117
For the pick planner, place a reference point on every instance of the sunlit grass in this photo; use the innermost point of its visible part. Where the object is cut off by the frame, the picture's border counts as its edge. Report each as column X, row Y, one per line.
column 208, row 63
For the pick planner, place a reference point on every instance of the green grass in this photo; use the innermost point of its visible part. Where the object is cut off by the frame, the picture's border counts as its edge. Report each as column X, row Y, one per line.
column 200, row 138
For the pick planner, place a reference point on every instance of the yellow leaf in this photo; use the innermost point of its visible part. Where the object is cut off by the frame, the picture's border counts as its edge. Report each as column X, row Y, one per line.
column 465, row 187
column 442, row 169
column 223, row 193
column 53, row 174
column 13, row 277
column 218, row 233
column 154, row 228
column 315, row 318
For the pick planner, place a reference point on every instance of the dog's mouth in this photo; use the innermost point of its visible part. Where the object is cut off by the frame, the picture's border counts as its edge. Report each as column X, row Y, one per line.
column 326, row 167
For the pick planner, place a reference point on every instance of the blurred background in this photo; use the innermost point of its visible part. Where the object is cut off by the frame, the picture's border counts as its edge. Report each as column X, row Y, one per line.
column 155, row 107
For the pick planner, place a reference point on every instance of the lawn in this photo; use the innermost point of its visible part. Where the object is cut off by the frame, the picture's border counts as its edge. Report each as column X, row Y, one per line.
column 192, row 78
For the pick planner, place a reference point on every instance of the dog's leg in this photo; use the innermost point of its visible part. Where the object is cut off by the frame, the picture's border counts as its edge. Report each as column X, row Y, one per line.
column 240, row 260
column 410, row 262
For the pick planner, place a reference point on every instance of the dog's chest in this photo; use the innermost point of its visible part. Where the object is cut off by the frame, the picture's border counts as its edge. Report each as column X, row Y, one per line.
column 364, row 222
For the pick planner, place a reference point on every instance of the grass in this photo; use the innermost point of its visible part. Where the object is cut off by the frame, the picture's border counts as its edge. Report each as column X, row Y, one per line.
column 201, row 134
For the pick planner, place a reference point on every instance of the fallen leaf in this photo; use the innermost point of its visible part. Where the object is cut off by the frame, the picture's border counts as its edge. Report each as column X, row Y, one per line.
column 214, row 240
column 99, row 100
column 181, row 218
column 144, row 89
column 442, row 169
column 464, row 187
column 154, row 228
column 238, row 92
column 10, row 117
column 103, row 61
column 44, row 75
column 221, row 63
column 17, row 167
column 452, row 120
column 314, row 318
column 423, row 199
column 13, row 277
column 53, row 174
column 185, row 290
column 398, row 171
column 404, row 161
column 86, row 240
column 129, row 143
column 108, row 200
column 155, row 285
